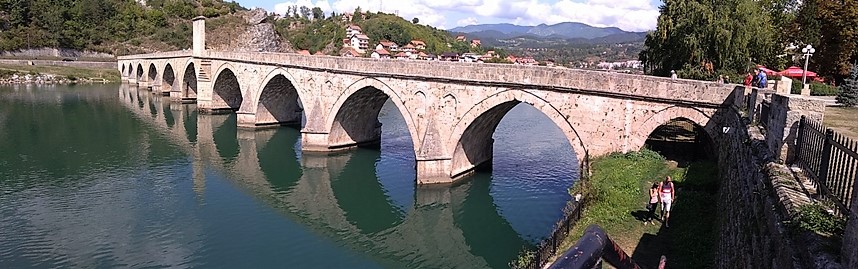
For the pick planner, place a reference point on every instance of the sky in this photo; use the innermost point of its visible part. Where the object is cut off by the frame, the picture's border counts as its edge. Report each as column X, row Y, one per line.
column 629, row 15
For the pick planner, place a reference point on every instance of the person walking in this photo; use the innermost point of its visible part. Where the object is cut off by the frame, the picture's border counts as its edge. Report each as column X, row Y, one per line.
column 748, row 79
column 668, row 193
column 653, row 204
column 763, row 80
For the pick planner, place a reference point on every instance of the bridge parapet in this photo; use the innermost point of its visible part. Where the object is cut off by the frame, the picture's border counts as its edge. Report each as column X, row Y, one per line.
column 156, row 55
column 628, row 86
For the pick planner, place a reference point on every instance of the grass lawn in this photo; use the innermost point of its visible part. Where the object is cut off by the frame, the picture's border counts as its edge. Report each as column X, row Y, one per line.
column 108, row 73
column 843, row 120
column 618, row 190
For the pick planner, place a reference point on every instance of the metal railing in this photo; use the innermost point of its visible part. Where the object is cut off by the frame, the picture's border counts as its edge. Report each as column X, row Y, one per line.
column 831, row 159
column 548, row 247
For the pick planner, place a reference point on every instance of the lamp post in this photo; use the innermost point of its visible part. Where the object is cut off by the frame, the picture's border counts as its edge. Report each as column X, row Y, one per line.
column 808, row 51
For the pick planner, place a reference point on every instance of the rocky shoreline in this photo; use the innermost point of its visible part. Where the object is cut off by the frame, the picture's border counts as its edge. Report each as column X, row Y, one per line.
column 48, row 79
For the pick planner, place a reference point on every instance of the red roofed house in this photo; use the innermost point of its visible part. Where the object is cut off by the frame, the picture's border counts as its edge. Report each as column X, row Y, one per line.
column 409, row 48
column 511, row 58
column 380, row 54
column 475, row 43
column 319, row 53
column 349, row 52
column 388, row 45
column 360, row 41
column 353, row 29
column 420, row 45
column 460, row 37
column 402, row 55
column 304, row 52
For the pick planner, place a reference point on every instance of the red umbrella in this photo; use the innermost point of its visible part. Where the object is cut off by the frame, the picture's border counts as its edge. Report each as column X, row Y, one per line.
column 795, row 72
column 769, row 72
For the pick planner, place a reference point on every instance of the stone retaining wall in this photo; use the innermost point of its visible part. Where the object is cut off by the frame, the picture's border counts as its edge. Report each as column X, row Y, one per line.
column 758, row 194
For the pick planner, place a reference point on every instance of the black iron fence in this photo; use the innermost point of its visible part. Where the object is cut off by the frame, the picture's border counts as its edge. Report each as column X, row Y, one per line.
column 548, row 247
column 831, row 160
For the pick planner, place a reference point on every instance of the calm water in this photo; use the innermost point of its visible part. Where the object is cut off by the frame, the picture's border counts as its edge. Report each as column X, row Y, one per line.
column 109, row 176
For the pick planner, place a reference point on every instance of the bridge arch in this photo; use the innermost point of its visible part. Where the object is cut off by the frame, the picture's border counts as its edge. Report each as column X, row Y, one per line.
column 353, row 119
column 664, row 116
column 277, row 101
column 153, row 73
column 189, row 80
column 227, row 93
column 139, row 72
column 169, row 78
column 471, row 139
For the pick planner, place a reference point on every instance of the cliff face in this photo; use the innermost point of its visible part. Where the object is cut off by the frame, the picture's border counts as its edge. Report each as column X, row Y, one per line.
column 245, row 31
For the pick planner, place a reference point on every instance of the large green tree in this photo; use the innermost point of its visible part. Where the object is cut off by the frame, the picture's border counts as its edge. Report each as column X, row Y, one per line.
column 702, row 38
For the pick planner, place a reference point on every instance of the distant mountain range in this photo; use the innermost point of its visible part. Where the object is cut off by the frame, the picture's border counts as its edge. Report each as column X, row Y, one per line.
column 574, row 32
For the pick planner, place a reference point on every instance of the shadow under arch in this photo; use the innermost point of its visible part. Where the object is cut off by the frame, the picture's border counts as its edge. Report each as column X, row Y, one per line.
column 169, row 78
column 189, row 78
column 277, row 102
column 139, row 72
column 699, row 124
column 471, row 140
column 353, row 119
column 153, row 73
column 227, row 90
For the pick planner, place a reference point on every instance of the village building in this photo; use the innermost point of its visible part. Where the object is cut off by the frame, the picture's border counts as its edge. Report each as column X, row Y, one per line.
column 388, row 45
column 475, row 43
column 360, row 41
column 350, row 52
column 380, row 54
column 418, row 44
column 449, row 56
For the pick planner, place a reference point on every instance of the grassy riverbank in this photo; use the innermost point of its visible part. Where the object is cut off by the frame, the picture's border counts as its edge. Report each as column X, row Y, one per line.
column 843, row 119
column 618, row 191
column 111, row 74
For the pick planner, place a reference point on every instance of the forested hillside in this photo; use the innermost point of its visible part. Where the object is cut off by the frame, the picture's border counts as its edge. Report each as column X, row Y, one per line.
column 311, row 29
column 114, row 26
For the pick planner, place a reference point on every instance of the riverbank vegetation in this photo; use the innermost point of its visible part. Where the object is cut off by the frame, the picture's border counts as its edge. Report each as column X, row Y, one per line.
column 113, row 26
column 58, row 73
column 617, row 195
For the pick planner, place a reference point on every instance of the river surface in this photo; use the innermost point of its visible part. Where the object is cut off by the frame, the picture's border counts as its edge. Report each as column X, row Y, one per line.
column 111, row 176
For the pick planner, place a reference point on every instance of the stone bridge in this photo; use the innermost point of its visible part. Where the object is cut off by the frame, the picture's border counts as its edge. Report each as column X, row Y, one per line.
column 451, row 109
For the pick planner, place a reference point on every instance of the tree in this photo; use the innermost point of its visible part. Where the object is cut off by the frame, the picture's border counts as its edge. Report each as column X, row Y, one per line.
column 848, row 95
column 702, row 38
column 415, row 20
column 318, row 14
column 838, row 40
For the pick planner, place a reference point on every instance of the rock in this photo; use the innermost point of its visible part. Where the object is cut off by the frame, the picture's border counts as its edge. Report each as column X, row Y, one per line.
column 256, row 16
column 260, row 38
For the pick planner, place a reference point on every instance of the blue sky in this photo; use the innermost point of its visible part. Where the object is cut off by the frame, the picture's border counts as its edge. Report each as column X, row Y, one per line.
column 630, row 15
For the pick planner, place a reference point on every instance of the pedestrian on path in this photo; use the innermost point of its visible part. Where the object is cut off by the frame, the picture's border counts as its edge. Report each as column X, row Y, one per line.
column 653, row 204
column 668, row 193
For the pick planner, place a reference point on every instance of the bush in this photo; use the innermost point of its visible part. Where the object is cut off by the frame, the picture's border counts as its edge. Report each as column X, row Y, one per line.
column 820, row 89
column 815, row 218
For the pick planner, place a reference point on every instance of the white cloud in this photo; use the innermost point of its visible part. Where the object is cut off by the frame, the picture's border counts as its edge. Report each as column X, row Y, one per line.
column 630, row 15
column 467, row 21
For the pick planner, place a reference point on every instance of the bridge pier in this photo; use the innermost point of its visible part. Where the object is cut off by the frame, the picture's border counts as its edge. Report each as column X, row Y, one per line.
column 434, row 171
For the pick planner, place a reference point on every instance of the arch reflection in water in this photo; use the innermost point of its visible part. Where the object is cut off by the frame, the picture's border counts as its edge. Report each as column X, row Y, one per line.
column 378, row 214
